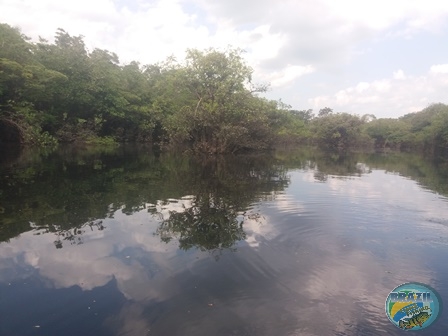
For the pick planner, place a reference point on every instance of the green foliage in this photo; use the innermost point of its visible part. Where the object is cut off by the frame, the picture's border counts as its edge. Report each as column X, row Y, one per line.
column 288, row 126
column 77, row 96
column 426, row 129
column 340, row 130
column 390, row 133
column 62, row 92
column 305, row 115
column 14, row 45
column 103, row 141
column 325, row 112
column 221, row 114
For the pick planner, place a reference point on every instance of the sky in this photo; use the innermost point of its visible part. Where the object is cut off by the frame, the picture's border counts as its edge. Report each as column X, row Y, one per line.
column 386, row 58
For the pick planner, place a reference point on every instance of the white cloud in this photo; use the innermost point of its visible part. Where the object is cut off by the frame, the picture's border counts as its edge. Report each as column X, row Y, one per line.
column 399, row 74
column 288, row 75
column 148, row 35
column 439, row 69
column 362, row 87
column 389, row 97
column 382, row 14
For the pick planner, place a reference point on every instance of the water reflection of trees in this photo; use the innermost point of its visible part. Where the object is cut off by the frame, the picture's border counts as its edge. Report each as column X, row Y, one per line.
column 208, row 224
column 338, row 165
column 430, row 172
column 324, row 164
column 65, row 192
column 74, row 236
column 223, row 190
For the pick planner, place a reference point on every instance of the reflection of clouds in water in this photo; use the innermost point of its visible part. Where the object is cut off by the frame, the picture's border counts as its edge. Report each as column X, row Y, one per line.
column 383, row 192
column 357, row 190
column 258, row 226
column 130, row 321
column 109, row 253
column 256, row 229
column 99, row 259
column 262, row 226
column 305, row 274
column 343, row 284
column 355, row 275
column 342, row 289
column 162, row 208
column 307, row 176
column 288, row 203
column 393, row 191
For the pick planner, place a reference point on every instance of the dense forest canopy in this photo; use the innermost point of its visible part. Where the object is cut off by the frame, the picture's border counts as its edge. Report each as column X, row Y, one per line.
column 61, row 92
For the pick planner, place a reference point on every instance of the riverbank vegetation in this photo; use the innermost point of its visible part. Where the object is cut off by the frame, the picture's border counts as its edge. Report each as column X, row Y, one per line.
column 62, row 93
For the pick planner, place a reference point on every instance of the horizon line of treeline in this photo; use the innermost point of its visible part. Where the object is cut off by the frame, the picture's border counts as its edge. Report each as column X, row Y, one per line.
column 59, row 92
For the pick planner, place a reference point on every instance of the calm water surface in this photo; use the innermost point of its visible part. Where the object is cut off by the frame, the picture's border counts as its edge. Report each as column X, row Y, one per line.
column 123, row 242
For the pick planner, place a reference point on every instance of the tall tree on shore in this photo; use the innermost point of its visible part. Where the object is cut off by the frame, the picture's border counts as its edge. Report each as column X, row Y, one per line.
column 224, row 114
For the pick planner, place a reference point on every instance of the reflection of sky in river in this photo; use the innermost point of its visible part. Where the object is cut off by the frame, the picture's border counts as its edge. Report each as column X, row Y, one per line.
column 373, row 231
column 318, row 259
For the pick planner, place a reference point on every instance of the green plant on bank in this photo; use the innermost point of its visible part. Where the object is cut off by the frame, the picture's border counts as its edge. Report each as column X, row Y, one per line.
column 340, row 130
column 62, row 93
column 103, row 141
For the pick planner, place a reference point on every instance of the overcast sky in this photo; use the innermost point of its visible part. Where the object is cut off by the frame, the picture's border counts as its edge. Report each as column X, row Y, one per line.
column 382, row 57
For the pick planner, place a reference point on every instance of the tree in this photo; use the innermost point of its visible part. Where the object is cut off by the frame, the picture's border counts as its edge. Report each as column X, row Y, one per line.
column 224, row 115
column 14, row 45
column 305, row 115
column 26, row 88
column 368, row 117
column 325, row 111
column 341, row 130
column 390, row 133
column 62, row 91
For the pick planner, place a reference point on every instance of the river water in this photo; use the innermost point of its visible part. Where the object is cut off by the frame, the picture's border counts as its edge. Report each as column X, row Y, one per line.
column 293, row 242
